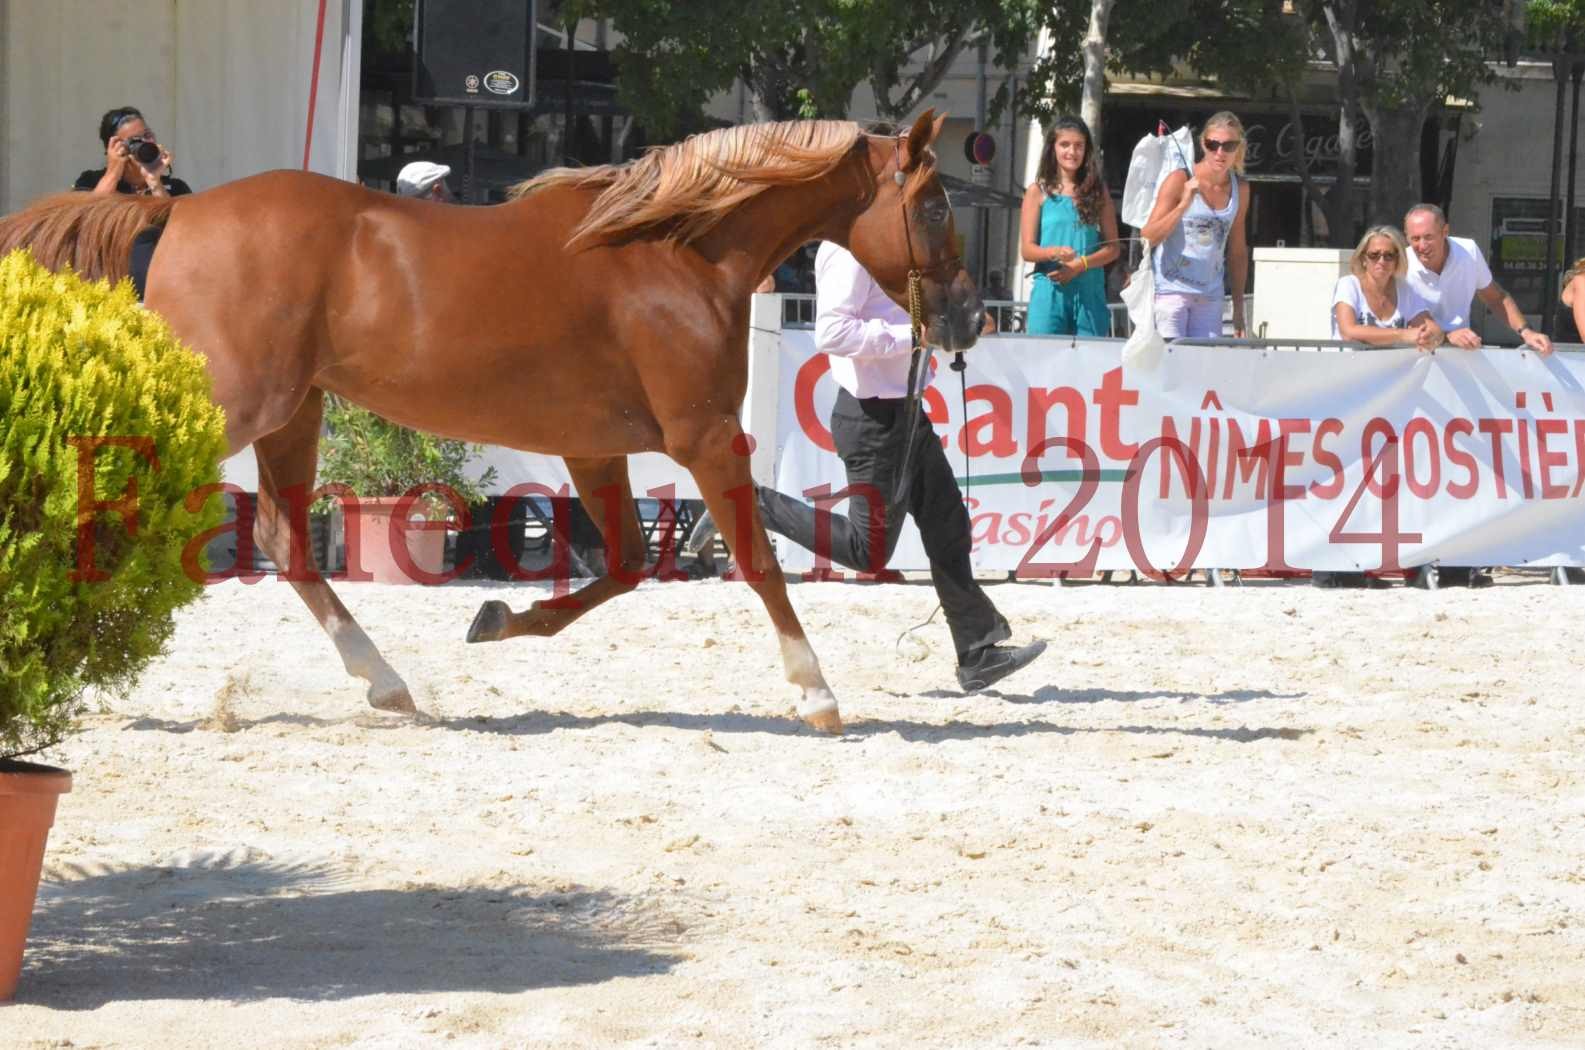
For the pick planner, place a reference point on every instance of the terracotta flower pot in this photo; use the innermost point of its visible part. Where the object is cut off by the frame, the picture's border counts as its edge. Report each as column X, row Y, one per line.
column 27, row 809
column 426, row 542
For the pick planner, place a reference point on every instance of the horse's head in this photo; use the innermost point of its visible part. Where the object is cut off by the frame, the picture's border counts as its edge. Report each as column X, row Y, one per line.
column 908, row 228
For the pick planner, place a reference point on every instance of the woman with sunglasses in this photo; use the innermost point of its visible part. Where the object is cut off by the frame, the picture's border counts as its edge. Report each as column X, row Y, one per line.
column 1197, row 226
column 1374, row 304
column 127, row 141
column 1068, row 229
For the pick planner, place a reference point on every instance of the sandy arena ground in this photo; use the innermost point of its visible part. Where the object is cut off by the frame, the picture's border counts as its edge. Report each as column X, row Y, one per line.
column 1267, row 817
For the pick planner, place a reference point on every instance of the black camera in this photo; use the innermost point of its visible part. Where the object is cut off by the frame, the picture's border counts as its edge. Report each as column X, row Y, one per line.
column 145, row 151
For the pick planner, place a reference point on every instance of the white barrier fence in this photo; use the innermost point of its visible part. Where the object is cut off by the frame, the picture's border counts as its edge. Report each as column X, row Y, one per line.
column 1241, row 457
column 1236, row 458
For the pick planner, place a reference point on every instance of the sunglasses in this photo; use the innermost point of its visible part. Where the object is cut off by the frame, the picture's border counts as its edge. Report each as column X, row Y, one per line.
column 1222, row 145
column 1381, row 256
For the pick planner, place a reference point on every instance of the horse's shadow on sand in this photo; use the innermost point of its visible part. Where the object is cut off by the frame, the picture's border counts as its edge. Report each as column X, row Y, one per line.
column 540, row 722
column 262, row 930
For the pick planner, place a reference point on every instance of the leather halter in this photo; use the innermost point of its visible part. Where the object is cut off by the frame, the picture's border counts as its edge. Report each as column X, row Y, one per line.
column 915, row 271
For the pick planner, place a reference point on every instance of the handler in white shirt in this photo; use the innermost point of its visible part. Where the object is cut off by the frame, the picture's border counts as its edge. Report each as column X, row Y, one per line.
column 870, row 343
column 868, row 337
column 1449, row 272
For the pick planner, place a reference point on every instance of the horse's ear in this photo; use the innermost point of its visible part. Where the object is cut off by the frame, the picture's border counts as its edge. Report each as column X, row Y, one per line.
column 924, row 131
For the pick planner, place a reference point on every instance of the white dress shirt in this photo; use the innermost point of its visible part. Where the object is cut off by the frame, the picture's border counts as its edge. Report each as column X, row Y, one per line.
column 867, row 335
column 1450, row 294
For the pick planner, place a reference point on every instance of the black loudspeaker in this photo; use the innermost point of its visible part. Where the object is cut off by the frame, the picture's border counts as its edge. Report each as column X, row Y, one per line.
column 475, row 52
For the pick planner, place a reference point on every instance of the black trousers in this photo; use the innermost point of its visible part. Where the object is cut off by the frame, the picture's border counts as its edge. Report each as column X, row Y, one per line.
column 869, row 435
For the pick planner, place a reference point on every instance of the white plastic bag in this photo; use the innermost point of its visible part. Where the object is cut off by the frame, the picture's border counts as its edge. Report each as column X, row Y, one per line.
column 1154, row 158
column 1145, row 346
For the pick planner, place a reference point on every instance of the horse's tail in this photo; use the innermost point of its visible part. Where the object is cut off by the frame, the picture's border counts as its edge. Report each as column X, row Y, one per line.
column 92, row 233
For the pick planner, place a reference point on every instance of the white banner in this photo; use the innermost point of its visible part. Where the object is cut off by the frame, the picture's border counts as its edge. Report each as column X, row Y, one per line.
column 1303, row 460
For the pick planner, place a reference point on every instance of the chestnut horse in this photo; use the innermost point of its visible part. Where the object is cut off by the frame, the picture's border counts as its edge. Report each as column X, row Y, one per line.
column 602, row 312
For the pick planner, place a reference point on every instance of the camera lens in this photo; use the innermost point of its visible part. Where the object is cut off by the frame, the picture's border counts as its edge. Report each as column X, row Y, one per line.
column 145, row 151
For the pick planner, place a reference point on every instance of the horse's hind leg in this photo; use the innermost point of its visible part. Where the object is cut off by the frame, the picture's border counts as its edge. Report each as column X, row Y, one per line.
column 287, row 461
column 607, row 495
column 715, row 456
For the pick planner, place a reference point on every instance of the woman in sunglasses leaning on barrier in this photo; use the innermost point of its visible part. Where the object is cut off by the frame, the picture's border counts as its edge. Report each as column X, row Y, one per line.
column 1374, row 304
column 1198, row 226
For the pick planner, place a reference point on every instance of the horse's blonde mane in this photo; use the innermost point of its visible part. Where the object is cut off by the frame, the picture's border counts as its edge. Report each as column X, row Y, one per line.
column 689, row 187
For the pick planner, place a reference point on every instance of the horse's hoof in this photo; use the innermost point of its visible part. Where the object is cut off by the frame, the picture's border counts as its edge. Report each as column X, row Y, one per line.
column 393, row 698
column 489, row 623
column 824, row 721
column 820, row 713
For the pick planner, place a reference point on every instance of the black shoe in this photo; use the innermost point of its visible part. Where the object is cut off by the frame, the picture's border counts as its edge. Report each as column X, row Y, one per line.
column 702, row 535
column 995, row 662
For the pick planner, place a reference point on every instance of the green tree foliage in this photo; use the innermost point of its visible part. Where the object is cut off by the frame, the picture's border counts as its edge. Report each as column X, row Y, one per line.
column 1243, row 43
column 82, row 361
column 799, row 58
column 375, row 457
column 1394, row 60
column 1552, row 25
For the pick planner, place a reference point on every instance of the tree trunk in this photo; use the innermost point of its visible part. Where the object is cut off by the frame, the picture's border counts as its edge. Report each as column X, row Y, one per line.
column 1094, row 48
column 1395, row 180
column 1340, row 202
column 1312, row 192
column 922, row 84
column 769, row 95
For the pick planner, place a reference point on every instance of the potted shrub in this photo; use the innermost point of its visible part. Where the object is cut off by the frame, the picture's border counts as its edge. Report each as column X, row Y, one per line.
column 393, row 470
column 105, row 421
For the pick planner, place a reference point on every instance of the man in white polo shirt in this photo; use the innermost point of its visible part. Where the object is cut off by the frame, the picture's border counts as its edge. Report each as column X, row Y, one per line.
column 1449, row 272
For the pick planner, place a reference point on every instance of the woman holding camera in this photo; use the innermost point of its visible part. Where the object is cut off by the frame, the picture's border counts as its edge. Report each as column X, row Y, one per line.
column 135, row 162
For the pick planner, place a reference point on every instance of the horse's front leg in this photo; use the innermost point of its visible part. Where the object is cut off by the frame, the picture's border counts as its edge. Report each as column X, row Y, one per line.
column 288, row 459
column 716, row 456
column 607, row 495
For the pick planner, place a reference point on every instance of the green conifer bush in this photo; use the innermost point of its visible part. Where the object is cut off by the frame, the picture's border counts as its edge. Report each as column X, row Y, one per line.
column 82, row 365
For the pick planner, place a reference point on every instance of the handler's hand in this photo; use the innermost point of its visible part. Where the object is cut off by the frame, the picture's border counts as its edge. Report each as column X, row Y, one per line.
column 1465, row 338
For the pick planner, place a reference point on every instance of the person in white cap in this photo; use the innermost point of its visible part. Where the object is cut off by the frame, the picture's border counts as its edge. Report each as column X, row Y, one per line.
column 424, row 179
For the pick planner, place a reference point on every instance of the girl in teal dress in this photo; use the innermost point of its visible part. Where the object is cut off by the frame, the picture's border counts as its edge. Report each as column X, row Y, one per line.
column 1068, row 229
